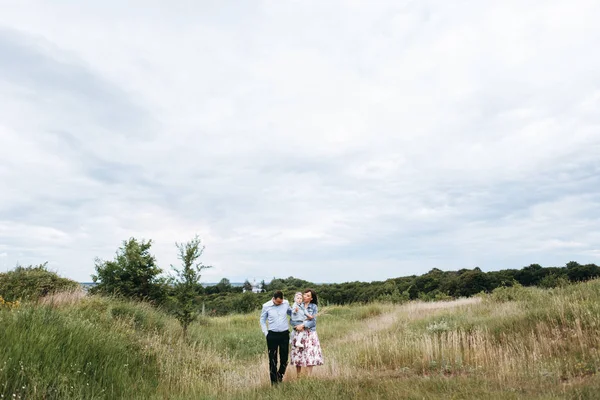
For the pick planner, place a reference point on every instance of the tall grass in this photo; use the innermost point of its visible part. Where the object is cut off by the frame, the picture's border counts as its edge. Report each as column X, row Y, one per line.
column 514, row 343
column 549, row 336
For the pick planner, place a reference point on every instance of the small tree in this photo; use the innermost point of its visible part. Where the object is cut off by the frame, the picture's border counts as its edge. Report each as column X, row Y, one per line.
column 187, row 282
column 133, row 273
column 247, row 286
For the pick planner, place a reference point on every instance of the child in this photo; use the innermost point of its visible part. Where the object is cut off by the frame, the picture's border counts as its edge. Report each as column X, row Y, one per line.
column 299, row 315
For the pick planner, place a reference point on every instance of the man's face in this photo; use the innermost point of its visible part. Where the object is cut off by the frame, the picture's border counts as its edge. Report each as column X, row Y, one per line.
column 277, row 301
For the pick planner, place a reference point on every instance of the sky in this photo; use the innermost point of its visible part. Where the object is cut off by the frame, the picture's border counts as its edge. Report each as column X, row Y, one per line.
column 331, row 141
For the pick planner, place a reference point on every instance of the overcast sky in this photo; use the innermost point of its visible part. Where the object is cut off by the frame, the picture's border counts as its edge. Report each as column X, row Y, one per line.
column 328, row 140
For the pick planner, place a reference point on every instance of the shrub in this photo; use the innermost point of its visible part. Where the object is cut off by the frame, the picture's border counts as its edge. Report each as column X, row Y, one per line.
column 246, row 303
column 32, row 282
column 553, row 280
column 513, row 293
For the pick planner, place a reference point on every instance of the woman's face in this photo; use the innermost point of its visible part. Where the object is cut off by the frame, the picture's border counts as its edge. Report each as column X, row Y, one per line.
column 307, row 297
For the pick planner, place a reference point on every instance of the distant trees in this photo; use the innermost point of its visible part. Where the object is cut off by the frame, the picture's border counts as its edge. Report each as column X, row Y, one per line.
column 224, row 285
column 577, row 272
column 133, row 273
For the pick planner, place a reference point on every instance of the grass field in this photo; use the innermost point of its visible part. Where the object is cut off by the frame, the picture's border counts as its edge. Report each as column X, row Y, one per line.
column 516, row 343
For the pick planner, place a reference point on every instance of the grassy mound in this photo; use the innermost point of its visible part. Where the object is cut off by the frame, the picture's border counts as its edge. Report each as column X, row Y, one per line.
column 32, row 283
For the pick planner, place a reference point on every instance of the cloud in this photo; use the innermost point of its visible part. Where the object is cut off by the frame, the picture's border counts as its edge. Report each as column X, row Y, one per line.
column 337, row 141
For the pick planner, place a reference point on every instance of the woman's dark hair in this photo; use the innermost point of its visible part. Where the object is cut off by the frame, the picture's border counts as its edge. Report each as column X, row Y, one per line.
column 314, row 296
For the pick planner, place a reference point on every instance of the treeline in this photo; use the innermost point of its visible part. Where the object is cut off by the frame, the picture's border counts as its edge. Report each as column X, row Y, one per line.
column 441, row 285
column 135, row 274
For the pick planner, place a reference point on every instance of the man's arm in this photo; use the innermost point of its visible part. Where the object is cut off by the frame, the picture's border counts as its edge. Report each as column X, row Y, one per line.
column 263, row 320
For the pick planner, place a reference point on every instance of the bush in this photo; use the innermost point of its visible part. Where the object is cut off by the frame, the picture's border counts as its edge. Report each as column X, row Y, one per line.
column 553, row 280
column 32, row 282
column 246, row 303
column 133, row 274
column 513, row 293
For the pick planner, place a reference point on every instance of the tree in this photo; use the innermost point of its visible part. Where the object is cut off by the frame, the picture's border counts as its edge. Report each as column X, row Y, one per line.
column 223, row 286
column 247, row 286
column 472, row 282
column 187, row 282
column 133, row 273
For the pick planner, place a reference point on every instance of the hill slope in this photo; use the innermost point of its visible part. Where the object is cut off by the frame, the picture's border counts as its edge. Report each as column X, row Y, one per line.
column 515, row 343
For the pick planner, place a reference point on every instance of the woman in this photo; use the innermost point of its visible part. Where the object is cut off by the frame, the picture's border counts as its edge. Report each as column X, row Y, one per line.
column 307, row 353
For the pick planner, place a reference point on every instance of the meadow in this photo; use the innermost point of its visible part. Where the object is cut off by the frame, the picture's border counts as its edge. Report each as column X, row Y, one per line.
column 515, row 343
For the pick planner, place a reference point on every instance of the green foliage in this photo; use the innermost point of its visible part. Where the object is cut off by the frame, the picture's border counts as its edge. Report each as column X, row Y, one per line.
column 133, row 273
column 553, row 280
column 187, row 282
column 395, row 297
column 516, row 292
column 228, row 303
column 223, row 286
column 47, row 353
column 32, row 282
column 246, row 303
column 288, row 284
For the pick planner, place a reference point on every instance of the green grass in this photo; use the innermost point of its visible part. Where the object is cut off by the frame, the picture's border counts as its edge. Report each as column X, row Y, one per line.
column 515, row 343
column 50, row 354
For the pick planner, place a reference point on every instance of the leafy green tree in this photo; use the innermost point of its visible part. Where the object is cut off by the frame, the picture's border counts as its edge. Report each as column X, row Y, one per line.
column 579, row 273
column 223, row 286
column 247, row 286
column 472, row 282
column 133, row 273
column 187, row 285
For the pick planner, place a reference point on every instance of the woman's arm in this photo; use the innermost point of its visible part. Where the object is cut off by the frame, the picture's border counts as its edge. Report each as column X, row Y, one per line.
column 312, row 323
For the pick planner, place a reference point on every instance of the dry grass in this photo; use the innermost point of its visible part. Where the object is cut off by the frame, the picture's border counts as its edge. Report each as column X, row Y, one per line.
column 63, row 299
column 553, row 338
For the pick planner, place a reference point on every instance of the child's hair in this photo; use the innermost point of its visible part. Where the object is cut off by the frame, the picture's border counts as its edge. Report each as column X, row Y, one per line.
column 297, row 293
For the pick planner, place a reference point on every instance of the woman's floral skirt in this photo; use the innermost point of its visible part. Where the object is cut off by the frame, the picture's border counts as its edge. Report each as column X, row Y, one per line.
column 310, row 354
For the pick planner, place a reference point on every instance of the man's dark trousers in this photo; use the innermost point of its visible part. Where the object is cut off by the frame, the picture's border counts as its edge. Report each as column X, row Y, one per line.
column 278, row 342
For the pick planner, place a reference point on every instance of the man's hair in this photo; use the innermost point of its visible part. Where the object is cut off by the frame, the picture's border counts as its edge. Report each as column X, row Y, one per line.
column 278, row 294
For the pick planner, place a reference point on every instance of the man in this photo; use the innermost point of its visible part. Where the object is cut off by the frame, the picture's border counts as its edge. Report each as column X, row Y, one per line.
column 275, row 312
